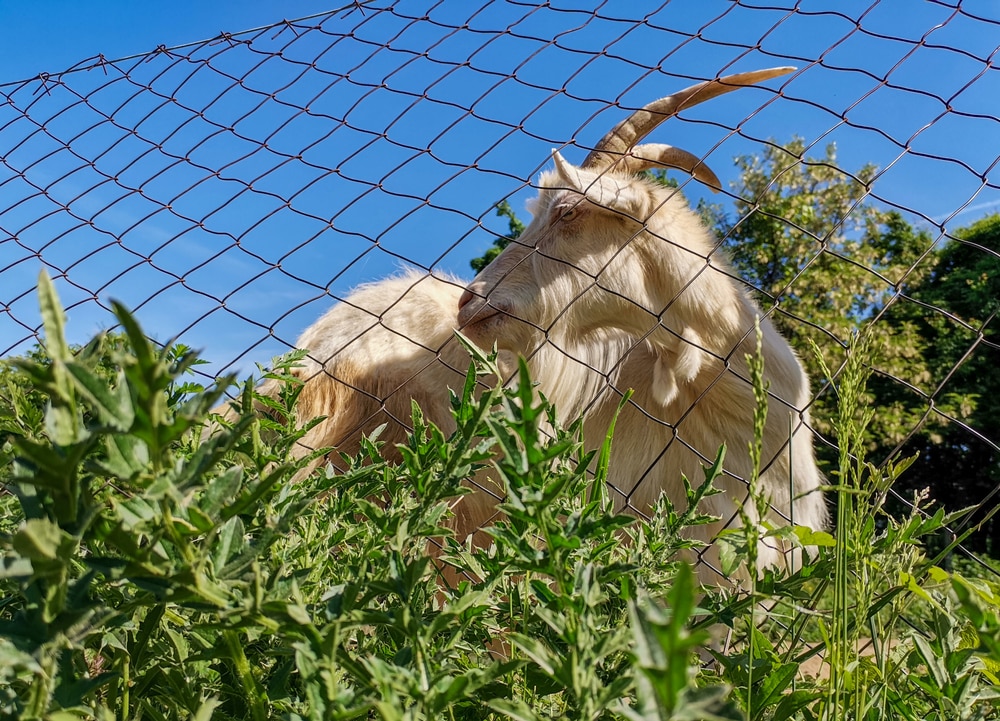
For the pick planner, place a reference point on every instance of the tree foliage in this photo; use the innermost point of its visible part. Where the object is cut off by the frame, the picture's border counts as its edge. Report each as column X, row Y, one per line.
column 514, row 228
column 822, row 259
column 954, row 312
column 829, row 262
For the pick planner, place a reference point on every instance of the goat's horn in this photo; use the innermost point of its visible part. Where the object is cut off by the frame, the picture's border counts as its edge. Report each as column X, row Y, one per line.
column 653, row 155
column 624, row 136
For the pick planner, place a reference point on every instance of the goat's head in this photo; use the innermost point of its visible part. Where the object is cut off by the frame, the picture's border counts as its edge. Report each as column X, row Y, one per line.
column 607, row 249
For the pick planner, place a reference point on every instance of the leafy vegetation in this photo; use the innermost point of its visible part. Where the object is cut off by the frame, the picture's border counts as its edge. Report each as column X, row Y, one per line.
column 153, row 569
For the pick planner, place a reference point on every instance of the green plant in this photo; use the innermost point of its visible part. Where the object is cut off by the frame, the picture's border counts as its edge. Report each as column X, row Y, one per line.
column 158, row 562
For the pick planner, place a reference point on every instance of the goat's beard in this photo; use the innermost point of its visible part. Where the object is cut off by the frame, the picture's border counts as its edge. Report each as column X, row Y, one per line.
column 574, row 372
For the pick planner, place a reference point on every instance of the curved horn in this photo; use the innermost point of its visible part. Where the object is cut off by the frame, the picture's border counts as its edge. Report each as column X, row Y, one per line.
column 624, row 136
column 652, row 155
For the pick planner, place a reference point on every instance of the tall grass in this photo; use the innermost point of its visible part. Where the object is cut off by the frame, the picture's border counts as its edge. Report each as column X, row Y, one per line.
column 152, row 571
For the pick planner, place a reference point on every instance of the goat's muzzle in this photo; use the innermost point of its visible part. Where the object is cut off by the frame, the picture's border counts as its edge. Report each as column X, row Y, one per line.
column 473, row 309
column 466, row 297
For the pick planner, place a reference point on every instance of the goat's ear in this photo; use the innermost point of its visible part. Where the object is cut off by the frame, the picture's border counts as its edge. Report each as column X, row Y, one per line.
column 531, row 205
column 603, row 188
column 678, row 362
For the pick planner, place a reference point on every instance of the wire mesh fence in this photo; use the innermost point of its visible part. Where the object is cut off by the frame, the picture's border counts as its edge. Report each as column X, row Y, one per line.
column 232, row 190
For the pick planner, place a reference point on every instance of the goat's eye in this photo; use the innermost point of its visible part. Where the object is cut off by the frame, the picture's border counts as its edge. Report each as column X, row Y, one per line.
column 568, row 213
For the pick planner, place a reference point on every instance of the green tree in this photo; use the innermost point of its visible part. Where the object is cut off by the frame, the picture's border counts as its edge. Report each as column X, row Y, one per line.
column 514, row 228
column 954, row 311
column 828, row 261
column 823, row 260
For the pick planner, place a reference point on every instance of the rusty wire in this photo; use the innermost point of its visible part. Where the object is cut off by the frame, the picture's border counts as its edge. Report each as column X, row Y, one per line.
column 232, row 189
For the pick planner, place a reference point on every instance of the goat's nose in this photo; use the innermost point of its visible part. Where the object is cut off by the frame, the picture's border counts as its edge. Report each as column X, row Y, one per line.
column 466, row 297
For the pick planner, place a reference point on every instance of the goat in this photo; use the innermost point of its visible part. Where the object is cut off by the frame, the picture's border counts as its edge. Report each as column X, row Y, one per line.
column 616, row 284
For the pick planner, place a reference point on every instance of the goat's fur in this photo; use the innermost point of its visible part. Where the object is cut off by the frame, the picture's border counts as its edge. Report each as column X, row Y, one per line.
column 616, row 284
column 600, row 300
column 366, row 352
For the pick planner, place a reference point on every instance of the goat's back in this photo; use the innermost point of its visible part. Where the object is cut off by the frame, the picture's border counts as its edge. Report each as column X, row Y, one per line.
column 370, row 356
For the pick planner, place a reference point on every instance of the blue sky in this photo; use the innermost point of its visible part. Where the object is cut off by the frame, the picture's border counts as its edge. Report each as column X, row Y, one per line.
column 52, row 35
column 232, row 217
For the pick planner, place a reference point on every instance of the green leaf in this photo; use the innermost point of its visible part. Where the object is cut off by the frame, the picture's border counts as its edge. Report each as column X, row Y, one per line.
column 771, row 689
column 513, row 709
column 733, row 548
column 63, row 423
column 934, row 663
column 222, row 490
column 230, row 542
column 12, row 657
column 791, row 703
column 15, row 567
column 126, row 456
column 53, row 468
column 537, row 651
column 138, row 342
column 113, row 406
column 41, row 540
column 53, row 319
column 707, row 703
column 603, row 460
column 809, row 537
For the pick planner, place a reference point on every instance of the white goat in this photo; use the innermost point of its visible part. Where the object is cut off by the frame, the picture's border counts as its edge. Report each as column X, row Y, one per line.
column 616, row 284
